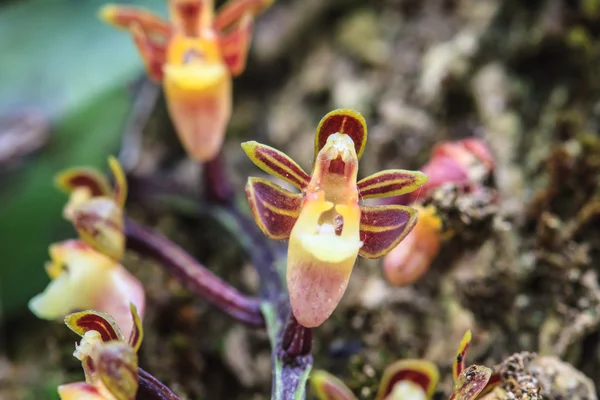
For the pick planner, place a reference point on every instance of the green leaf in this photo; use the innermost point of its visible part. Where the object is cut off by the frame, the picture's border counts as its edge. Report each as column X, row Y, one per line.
column 62, row 61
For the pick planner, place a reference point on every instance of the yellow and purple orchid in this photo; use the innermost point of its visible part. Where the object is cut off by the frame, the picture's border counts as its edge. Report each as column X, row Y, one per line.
column 410, row 379
column 108, row 358
column 195, row 57
column 326, row 226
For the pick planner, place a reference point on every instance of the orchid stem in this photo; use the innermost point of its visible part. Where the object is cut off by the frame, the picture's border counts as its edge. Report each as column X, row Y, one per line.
column 193, row 275
column 151, row 388
column 217, row 187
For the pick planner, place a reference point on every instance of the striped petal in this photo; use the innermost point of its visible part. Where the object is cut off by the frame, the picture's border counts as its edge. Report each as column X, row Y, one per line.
column 191, row 17
column 235, row 44
column 120, row 191
column 345, row 121
column 82, row 177
column 327, row 387
column 90, row 320
column 383, row 227
column 471, row 383
column 421, row 374
column 458, row 365
column 275, row 209
column 231, row 12
column 276, row 163
column 392, row 182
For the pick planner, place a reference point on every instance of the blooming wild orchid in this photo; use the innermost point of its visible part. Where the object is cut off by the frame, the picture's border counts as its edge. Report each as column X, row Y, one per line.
column 109, row 359
column 194, row 57
column 326, row 226
column 87, row 273
column 410, row 379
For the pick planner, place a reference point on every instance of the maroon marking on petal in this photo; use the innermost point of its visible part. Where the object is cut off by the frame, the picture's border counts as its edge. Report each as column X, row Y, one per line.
column 337, row 166
column 189, row 14
column 408, row 180
column 89, row 181
column 261, row 155
column 342, row 123
column 94, row 322
column 417, row 377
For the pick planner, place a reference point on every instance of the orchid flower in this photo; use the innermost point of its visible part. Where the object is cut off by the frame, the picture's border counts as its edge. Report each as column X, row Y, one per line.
column 408, row 261
column 403, row 380
column 326, row 226
column 194, row 56
column 95, row 209
column 83, row 278
column 87, row 273
column 109, row 360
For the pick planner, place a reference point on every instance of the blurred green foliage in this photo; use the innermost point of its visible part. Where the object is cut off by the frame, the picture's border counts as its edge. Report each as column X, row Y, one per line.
column 59, row 59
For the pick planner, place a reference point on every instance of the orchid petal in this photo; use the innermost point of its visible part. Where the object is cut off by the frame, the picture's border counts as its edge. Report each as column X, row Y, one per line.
column 198, row 94
column 137, row 333
column 383, row 227
column 471, row 383
column 275, row 209
column 191, row 17
column 327, row 387
column 82, row 177
column 153, row 52
column 79, row 391
column 91, row 320
column 320, row 263
column 231, row 12
column 345, row 121
column 422, row 373
column 124, row 17
column 392, row 182
column 412, row 257
column 117, row 368
column 458, row 365
column 276, row 163
column 234, row 45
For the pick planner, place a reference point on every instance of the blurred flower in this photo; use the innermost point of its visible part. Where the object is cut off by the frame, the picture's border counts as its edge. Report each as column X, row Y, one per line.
column 403, row 380
column 408, row 261
column 415, row 379
column 94, row 208
column 326, row 226
column 109, row 360
column 82, row 278
column 194, row 57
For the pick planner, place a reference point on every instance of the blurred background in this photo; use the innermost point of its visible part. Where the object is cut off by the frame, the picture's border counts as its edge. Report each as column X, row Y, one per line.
column 521, row 76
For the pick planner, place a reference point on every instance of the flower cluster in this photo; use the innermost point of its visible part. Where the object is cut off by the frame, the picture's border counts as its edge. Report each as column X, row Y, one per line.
column 415, row 379
column 326, row 226
column 194, row 56
column 86, row 273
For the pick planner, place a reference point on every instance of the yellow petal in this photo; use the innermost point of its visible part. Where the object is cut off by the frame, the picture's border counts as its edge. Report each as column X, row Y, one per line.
column 80, row 391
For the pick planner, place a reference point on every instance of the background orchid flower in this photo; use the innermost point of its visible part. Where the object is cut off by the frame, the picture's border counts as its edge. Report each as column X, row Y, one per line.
column 326, row 227
column 408, row 261
column 95, row 209
column 194, row 57
column 109, row 360
column 83, row 278
column 410, row 379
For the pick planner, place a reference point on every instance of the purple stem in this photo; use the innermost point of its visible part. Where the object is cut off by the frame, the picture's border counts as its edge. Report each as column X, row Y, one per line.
column 217, row 187
column 192, row 274
column 151, row 388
